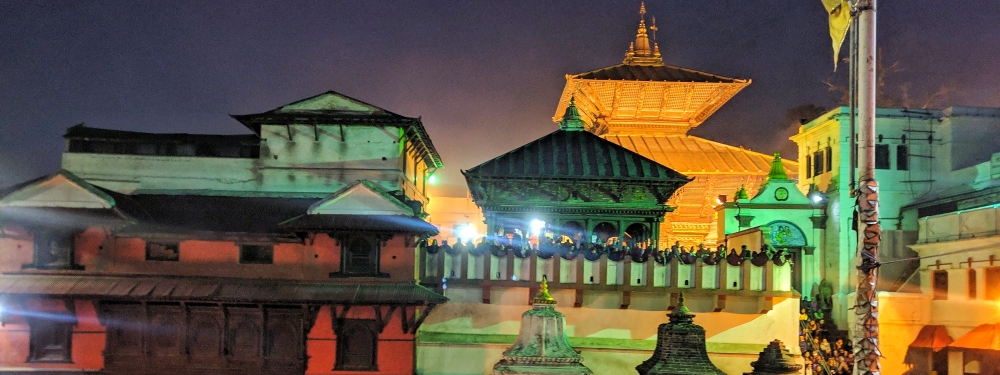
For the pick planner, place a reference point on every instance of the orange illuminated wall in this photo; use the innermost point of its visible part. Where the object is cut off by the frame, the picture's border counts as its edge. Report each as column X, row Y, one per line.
column 395, row 348
column 87, row 342
column 314, row 260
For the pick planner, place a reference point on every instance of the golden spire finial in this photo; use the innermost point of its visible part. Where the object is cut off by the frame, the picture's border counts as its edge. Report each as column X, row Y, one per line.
column 543, row 296
column 642, row 51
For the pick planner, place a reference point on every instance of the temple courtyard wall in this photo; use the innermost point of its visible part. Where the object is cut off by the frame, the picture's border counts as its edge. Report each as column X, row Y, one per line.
column 466, row 337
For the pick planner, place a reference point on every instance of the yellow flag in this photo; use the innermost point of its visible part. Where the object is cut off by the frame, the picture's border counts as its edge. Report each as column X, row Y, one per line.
column 840, row 21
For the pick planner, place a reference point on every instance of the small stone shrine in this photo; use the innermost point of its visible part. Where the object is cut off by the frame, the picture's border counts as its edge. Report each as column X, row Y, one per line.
column 680, row 347
column 541, row 347
column 774, row 360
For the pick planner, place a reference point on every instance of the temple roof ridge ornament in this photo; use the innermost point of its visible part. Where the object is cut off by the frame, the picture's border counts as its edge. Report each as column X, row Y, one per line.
column 641, row 51
column 571, row 119
column 777, row 168
column 681, row 314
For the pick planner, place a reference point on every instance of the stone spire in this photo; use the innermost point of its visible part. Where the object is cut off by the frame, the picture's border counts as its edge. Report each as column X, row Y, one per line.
column 680, row 347
column 774, row 360
column 541, row 346
column 571, row 119
column 641, row 51
column 777, row 168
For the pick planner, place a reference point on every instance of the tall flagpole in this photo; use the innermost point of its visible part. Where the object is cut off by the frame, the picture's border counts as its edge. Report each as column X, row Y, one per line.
column 866, row 308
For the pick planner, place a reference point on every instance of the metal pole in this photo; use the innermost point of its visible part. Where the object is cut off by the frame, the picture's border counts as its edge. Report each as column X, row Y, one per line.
column 866, row 308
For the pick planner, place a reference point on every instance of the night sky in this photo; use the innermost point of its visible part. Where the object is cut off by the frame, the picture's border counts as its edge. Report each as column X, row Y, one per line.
column 485, row 76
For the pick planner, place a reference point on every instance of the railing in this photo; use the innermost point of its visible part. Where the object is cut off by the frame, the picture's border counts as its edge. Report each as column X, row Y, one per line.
column 766, row 273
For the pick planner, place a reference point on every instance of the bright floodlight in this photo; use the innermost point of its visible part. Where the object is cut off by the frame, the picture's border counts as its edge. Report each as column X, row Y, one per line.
column 432, row 179
column 467, row 232
column 536, row 226
column 816, row 197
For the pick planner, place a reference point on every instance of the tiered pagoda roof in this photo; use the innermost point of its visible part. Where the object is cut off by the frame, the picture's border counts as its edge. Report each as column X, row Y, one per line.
column 648, row 107
column 642, row 95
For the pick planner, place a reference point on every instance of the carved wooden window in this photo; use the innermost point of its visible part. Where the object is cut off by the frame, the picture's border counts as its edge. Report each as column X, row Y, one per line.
column 256, row 254
column 165, row 330
column 164, row 252
column 245, row 332
column 50, row 340
column 361, row 257
column 205, row 333
column 939, row 285
column 357, row 346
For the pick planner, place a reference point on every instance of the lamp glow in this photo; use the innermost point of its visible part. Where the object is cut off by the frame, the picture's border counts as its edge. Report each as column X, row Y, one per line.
column 816, row 197
column 432, row 179
column 467, row 232
column 536, row 226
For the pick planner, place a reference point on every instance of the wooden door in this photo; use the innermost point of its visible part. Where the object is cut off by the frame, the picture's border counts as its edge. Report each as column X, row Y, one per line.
column 205, row 337
column 124, row 349
column 285, row 337
column 244, row 339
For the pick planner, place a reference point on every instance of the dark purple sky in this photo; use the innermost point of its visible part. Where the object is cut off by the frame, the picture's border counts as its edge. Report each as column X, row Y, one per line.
column 485, row 76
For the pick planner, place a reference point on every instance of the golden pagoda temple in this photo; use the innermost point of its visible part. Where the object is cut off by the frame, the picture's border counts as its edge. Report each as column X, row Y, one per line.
column 649, row 107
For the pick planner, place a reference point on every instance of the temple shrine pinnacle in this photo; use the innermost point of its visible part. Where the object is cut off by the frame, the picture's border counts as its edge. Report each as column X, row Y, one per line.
column 680, row 347
column 639, row 52
column 541, row 346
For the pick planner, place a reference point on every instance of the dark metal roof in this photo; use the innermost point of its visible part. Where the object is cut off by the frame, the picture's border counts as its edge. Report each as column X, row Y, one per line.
column 385, row 223
column 187, row 213
column 81, row 131
column 215, row 290
column 576, row 155
column 659, row 73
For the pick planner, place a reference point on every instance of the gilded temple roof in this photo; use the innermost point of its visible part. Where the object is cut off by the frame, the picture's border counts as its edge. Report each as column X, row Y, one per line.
column 693, row 155
column 654, row 73
column 642, row 95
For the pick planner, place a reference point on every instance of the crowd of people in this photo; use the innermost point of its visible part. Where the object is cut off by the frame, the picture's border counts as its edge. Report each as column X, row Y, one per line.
column 825, row 349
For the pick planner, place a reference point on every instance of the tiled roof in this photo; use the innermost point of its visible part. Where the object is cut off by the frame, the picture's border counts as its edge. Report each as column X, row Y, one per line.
column 387, row 223
column 660, row 73
column 985, row 337
column 692, row 155
column 574, row 154
column 56, row 216
column 215, row 290
column 144, row 214
column 933, row 337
